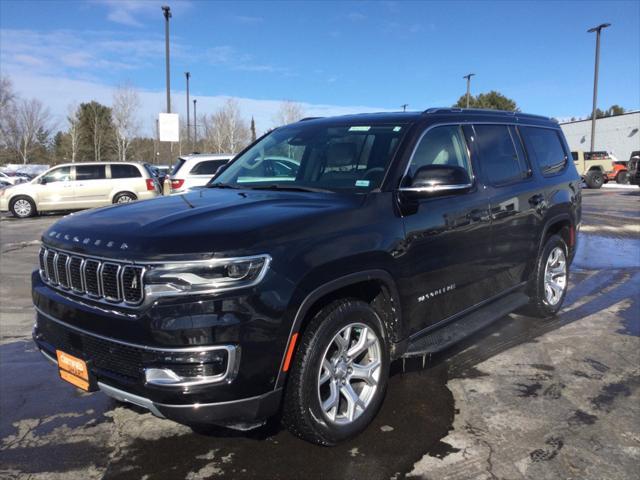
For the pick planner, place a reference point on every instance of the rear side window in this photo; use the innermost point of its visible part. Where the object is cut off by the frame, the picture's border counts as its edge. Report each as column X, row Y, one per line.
column 208, row 167
column 544, row 146
column 90, row 172
column 125, row 171
column 177, row 165
column 498, row 156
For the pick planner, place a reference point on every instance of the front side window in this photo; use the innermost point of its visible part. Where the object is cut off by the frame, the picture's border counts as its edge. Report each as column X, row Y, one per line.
column 498, row 157
column 543, row 144
column 124, row 171
column 441, row 146
column 311, row 156
column 207, row 167
column 61, row 174
column 90, row 172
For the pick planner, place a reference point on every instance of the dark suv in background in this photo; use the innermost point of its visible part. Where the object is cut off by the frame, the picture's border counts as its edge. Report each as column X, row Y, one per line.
column 395, row 235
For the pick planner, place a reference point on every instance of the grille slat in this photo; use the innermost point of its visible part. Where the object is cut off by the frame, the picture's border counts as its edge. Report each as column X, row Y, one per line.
column 106, row 281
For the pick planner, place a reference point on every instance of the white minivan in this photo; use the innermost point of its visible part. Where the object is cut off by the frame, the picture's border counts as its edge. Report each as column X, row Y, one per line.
column 195, row 170
column 75, row 186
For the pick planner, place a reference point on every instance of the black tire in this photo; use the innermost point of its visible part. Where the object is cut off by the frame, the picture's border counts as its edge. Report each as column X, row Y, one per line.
column 622, row 178
column 124, row 197
column 23, row 207
column 594, row 179
column 303, row 414
column 538, row 305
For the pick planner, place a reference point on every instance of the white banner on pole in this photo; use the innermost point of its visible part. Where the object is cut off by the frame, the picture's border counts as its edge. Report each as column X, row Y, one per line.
column 169, row 127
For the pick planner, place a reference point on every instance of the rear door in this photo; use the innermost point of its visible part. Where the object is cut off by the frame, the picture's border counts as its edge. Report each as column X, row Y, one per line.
column 92, row 187
column 516, row 203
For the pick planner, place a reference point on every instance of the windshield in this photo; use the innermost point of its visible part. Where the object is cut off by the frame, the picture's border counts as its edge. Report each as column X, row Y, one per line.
column 316, row 157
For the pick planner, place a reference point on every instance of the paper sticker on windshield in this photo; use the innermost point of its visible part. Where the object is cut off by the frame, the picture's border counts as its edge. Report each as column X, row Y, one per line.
column 362, row 183
column 359, row 129
column 397, row 129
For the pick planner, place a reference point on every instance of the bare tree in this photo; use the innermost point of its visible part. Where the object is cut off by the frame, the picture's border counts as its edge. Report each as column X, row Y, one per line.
column 27, row 127
column 288, row 112
column 226, row 131
column 7, row 110
column 73, row 121
column 126, row 104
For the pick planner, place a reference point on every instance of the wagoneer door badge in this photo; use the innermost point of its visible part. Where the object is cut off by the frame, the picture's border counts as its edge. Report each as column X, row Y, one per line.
column 435, row 293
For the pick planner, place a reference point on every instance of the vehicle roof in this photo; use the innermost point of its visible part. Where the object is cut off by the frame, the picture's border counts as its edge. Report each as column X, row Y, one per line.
column 206, row 156
column 96, row 163
column 459, row 114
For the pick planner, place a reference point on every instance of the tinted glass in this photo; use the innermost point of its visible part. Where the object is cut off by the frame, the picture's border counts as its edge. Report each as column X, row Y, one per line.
column 208, row 167
column 441, row 146
column 498, row 155
column 177, row 165
column 90, row 172
column 62, row 174
column 125, row 171
column 544, row 146
column 329, row 157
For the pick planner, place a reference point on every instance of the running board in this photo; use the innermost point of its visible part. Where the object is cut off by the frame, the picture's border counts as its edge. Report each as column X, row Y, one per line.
column 453, row 332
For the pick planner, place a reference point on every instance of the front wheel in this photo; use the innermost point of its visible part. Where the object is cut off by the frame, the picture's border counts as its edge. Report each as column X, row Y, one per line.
column 622, row 178
column 339, row 375
column 22, row 207
column 550, row 279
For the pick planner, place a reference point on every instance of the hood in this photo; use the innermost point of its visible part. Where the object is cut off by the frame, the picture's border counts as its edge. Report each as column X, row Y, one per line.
column 201, row 222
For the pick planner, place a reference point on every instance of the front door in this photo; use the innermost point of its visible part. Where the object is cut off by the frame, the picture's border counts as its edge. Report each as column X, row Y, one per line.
column 445, row 259
column 55, row 190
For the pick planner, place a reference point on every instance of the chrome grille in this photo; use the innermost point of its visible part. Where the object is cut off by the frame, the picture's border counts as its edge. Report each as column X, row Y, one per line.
column 106, row 281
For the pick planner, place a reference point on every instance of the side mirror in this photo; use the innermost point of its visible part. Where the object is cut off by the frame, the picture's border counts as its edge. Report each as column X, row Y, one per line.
column 43, row 181
column 432, row 180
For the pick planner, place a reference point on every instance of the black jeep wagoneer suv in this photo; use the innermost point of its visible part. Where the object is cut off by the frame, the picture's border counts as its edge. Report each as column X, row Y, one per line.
column 324, row 251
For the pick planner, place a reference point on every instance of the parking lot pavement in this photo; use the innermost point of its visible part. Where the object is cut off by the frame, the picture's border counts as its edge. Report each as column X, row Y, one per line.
column 525, row 398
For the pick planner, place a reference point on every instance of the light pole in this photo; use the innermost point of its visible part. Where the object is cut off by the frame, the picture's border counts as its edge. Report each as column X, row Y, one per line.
column 468, row 77
column 195, row 124
column 597, row 29
column 188, row 75
column 404, row 107
column 167, row 15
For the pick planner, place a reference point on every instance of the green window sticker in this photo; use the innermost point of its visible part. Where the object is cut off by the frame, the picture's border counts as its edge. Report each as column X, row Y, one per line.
column 362, row 183
column 397, row 129
column 359, row 129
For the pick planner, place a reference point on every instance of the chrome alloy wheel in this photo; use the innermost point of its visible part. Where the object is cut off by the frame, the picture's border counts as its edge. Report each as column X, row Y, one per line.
column 124, row 199
column 22, row 207
column 555, row 276
column 349, row 374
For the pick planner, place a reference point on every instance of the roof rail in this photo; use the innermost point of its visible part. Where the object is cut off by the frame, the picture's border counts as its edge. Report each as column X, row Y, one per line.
column 479, row 111
column 308, row 118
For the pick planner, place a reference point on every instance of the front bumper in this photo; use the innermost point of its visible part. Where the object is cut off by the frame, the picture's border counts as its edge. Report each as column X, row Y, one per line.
column 118, row 372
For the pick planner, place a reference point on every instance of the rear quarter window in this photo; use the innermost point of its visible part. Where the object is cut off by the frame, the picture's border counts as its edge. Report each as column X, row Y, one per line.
column 207, row 167
column 125, row 171
column 545, row 148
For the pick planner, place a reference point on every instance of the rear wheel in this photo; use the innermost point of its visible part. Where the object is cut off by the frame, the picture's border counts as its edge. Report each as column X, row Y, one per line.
column 622, row 178
column 339, row 374
column 549, row 281
column 124, row 197
column 594, row 179
column 23, row 207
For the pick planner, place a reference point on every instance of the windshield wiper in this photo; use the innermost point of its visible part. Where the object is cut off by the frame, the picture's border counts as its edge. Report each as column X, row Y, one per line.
column 221, row 185
column 291, row 188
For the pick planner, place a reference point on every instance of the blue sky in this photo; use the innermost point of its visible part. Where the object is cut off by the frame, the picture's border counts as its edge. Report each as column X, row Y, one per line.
column 332, row 56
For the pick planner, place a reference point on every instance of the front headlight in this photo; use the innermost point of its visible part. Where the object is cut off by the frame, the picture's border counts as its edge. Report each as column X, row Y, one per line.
column 205, row 276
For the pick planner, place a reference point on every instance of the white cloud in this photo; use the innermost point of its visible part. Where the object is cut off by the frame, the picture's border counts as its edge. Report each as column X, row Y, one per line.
column 58, row 93
column 138, row 13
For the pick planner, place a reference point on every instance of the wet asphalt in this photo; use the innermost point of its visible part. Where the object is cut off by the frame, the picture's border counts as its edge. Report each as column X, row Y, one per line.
column 524, row 398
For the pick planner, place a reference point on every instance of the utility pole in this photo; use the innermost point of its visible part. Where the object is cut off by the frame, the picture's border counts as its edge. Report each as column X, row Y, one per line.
column 188, row 75
column 167, row 15
column 404, row 107
column 468, row 77
column 195, row 124
column 597, row 29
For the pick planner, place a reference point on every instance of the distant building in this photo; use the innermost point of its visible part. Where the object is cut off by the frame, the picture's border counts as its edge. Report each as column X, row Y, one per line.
column 619, row 134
